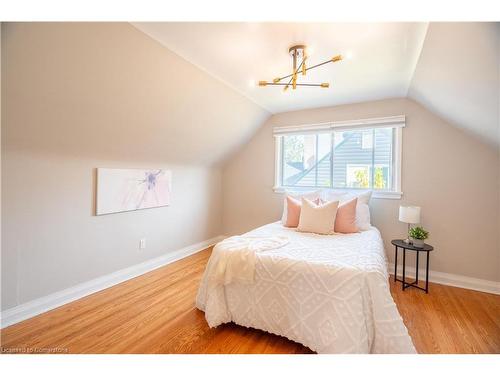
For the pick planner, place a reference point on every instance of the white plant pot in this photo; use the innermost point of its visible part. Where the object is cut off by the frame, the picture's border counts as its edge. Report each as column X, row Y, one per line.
column 418, row 243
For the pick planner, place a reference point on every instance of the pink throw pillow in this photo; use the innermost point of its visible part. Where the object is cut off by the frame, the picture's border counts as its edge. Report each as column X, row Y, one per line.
column 345, row 221
column 293, row 207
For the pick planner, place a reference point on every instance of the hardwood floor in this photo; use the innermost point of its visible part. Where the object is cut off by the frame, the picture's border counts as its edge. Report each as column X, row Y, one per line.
column 155, row 313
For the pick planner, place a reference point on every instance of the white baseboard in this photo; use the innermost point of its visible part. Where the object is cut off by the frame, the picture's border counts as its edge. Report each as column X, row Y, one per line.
column 43, row 304
column 459, row 281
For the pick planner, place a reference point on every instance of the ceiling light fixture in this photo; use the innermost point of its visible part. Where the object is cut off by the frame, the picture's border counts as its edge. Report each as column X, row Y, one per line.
column 299, row 53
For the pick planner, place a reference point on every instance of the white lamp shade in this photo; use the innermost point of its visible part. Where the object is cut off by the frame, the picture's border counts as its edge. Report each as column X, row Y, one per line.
column 410, row 214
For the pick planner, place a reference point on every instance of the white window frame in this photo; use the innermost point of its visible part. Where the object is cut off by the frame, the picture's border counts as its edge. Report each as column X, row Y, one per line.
column 395, row 122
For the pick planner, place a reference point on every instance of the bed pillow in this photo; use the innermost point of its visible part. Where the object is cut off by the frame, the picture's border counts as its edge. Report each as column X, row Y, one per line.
column 311, row 195
column 362, row 209
column 363, row 217
column 293, row 207
column 363, row 198
column 317, row 219
column 345, row 221
column 334, row 195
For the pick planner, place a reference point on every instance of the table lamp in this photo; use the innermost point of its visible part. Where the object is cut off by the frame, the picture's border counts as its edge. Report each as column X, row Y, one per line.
column 409, row 215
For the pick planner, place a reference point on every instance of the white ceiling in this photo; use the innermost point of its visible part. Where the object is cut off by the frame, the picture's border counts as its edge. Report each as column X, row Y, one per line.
column 457, row 76
column 384, row 56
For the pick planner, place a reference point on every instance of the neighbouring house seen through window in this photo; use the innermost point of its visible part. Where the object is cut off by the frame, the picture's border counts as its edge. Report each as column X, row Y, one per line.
column 344, row 159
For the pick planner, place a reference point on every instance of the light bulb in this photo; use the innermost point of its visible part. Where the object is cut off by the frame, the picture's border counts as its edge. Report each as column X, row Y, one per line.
column 309, row 51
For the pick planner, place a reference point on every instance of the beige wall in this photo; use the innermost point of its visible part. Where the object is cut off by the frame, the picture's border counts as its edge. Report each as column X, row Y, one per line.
column 451, row 175
column 80, row 96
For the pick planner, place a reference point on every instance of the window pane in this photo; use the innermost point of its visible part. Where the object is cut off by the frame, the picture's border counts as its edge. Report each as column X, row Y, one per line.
column 352, row 159
column 362, row 159
column 324, row 160
column 367, row 140
column 298, row 156
column 358, row 176
column 382, row 159
column 306, row 160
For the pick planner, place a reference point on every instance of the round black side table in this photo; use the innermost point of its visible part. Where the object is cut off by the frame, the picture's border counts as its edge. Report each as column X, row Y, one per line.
column 406, row 246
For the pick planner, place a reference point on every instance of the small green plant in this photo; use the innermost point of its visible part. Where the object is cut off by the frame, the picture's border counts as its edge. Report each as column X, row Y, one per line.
column 418, row 233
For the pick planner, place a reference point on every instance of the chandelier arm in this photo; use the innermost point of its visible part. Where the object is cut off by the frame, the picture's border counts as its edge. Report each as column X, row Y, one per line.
column 298, row 84
column 291, row 75
column 309, row 68
column 288, row 84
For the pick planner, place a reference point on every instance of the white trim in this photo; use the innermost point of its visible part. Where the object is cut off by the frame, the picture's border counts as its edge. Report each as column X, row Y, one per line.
column 375, row 194
column 379, row 122
column 43, row 304
column 277, row 160
column 459, row 281
column 387, row 194
column 397, row 162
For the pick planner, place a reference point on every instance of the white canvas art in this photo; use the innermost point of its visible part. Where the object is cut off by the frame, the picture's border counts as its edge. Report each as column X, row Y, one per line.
column 121, row 190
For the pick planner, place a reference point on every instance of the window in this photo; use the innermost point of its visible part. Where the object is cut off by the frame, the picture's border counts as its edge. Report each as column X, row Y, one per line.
column 349, row 155
column 306, row 160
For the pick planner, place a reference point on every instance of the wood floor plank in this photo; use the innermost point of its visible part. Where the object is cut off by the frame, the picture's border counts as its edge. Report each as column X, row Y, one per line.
column 121, row 297
column 156, row 313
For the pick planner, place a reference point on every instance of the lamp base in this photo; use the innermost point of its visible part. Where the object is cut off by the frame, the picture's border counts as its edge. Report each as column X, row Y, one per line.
column 408, row 239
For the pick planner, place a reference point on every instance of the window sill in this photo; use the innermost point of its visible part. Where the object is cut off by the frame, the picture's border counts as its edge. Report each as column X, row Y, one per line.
column 375, row 194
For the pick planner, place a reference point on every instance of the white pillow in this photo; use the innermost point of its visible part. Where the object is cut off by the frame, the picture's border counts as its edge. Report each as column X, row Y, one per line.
column 317, row 219
column 311, row 195
column 363, row 216
column 333, row 195
column 363, row 197
column 362, row 208
column 363, row 211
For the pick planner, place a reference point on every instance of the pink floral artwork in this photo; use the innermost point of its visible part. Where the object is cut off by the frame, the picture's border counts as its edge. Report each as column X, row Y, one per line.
column 121, row 190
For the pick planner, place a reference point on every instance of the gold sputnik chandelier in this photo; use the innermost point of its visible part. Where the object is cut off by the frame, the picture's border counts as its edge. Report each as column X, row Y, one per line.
column 299, row 53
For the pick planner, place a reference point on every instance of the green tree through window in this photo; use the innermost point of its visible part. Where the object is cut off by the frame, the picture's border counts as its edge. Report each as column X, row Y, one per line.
column 362, row 178
column 379, row 179
column 294, row 149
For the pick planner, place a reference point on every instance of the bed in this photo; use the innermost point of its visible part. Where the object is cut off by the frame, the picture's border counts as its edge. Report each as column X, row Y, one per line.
column 327, row 292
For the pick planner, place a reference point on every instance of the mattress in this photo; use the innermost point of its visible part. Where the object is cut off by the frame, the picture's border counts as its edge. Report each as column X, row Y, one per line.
column 327, row 292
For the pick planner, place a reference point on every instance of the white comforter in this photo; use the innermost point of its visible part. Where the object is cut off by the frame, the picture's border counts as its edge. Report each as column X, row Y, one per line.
column 330, row 293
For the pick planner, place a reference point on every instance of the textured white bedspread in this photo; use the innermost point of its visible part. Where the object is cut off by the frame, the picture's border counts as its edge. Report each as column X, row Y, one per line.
column 329, row 293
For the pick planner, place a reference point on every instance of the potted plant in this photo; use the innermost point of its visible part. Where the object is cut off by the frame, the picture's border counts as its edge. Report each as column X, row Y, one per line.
column 418, row 235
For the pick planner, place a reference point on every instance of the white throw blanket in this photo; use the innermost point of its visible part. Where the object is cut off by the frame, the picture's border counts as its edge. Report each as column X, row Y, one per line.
column 232, row 260
column 330, row 293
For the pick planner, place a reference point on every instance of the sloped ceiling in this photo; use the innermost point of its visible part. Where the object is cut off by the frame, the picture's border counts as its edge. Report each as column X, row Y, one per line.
column 457, row 76
column 450, row 68
column 108, row 91
column 383, row 58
